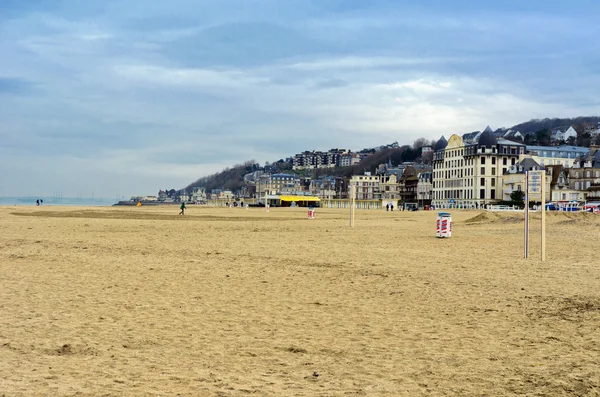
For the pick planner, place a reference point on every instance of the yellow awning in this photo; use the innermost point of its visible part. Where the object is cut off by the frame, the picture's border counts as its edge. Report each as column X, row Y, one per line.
column 298, row 198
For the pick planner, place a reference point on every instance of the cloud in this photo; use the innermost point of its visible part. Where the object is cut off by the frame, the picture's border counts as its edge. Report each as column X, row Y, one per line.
column 134, row 96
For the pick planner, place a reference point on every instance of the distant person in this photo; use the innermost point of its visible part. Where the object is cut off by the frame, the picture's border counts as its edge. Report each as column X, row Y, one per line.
column 182, row 208
column 37, row 202
column 387, row 207
column 41, row 202
column 392, row 207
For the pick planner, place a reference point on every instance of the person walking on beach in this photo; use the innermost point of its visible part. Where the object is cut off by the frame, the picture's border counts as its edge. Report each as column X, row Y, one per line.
column 182, row 208
column 37, row 202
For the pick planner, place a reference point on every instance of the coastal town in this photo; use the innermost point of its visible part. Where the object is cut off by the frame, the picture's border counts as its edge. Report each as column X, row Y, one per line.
column 471, row 170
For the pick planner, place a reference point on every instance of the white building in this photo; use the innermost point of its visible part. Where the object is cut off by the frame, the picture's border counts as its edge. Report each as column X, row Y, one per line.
column 470, row 174
column 555, row 155
column 367, row 186
column 424, row 188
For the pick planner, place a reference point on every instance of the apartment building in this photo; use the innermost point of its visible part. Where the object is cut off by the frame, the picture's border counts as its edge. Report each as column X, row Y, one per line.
column 555, row 155
column 318, row 159
column 367, row 186
column 469, row 173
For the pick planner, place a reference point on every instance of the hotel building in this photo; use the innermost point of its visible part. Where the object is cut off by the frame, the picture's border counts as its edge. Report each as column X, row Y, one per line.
column 468, row 173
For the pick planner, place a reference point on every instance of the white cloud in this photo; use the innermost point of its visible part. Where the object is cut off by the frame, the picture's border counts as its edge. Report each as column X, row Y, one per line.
column 355, row 62
column 186, row 77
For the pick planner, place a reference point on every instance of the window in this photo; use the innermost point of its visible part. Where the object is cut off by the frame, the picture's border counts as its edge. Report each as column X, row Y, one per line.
column 482, row 170
column 587, row 174
column 504, row 161
column 493, row 160
column 493, row 182
column 482, row 181
column 482, row 160
column 493, row 170
column 512, row 161
column 576, row 185
column 503, row 171
column 587, row 184
column 493, row 194
column 482, row 193
column 576, row 174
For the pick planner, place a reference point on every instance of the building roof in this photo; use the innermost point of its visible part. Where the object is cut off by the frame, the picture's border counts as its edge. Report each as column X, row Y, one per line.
column 441, row 144
column 503, row 141
column 561, row 148
column 471, row 136
column 409, row 172
column 487, row 138
column 283, row 175
column 556, row 169
column 529, row 164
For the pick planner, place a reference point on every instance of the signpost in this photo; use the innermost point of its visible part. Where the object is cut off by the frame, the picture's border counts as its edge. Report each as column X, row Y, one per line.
column 535, row 188
column 352, row 203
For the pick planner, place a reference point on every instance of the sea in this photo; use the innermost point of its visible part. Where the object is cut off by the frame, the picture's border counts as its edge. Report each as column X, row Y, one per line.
column 58, row 201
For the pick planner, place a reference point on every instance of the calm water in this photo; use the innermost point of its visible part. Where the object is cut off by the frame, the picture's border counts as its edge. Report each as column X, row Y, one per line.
column 64, row 201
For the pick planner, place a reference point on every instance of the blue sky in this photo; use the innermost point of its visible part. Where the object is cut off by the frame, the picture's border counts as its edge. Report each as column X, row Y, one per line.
column 126, row 97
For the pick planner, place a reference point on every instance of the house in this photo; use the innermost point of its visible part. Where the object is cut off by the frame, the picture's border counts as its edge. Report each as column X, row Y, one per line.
column 390, row 188
column 408, row 185
column 514, row 179
column 513, row 136
column 559, row 186
column 584, row 176
column 426, row 150
column 198, row 195
column 226, row 195
column 324, row 188
column 563, row 134
column 424, row 188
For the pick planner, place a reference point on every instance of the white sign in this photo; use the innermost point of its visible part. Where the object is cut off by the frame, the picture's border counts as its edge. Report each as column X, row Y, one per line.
column 535, row 179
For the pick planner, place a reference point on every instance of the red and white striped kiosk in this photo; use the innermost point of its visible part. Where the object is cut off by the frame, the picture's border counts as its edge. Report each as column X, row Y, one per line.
column 444, row 224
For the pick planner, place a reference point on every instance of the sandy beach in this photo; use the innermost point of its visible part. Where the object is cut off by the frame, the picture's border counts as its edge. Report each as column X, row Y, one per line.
column 233, row 302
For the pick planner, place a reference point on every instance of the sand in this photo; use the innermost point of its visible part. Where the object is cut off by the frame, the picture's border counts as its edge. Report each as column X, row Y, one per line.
column 233, row 302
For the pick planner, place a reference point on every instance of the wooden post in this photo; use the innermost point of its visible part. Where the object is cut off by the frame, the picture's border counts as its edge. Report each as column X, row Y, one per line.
column 352, row 203
column 543, row 231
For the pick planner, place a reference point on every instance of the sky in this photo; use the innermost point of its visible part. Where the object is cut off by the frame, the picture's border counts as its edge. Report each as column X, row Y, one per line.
column 119, row 98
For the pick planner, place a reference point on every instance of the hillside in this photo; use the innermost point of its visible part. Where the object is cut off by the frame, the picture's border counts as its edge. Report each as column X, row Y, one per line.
column 534, row 125
column 233, row 178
